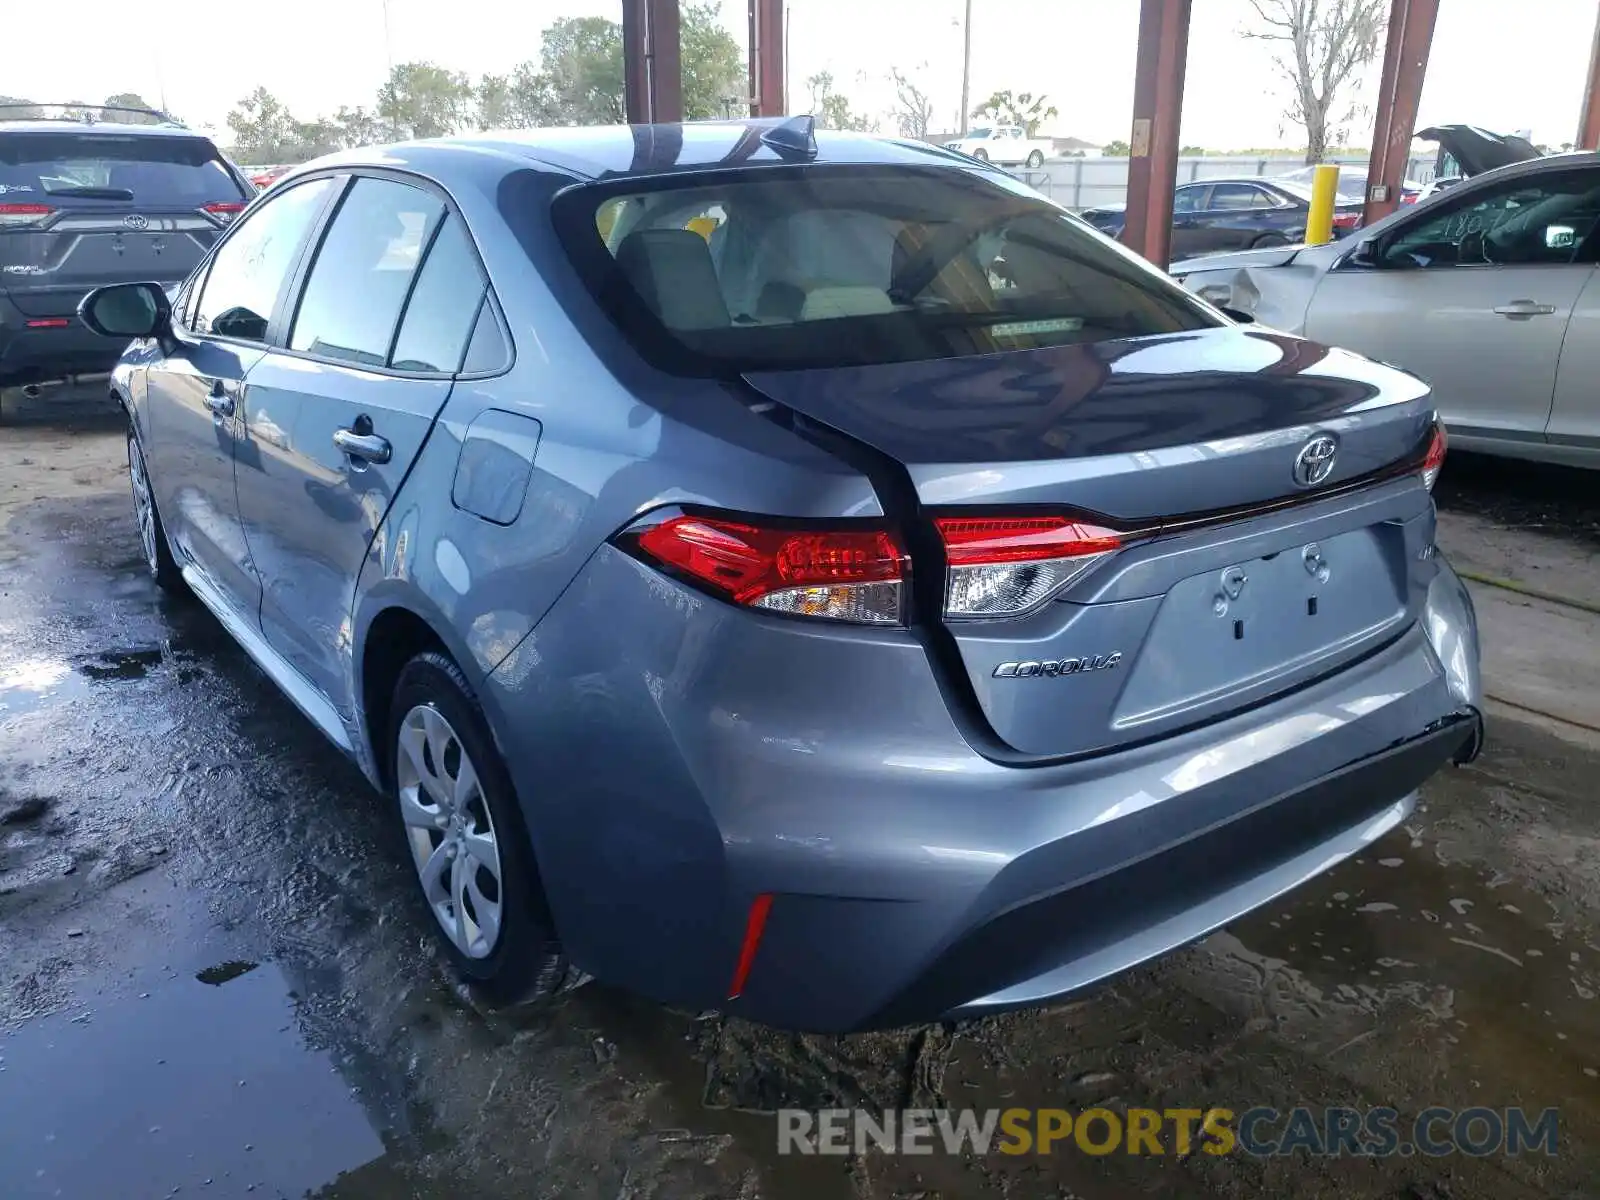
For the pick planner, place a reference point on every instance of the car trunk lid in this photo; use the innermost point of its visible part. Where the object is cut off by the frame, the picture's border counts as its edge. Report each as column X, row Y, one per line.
column 1478, row 150
column 1232, row 580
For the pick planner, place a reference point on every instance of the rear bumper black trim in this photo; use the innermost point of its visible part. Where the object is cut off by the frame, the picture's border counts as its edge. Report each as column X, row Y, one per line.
column 1030, row 940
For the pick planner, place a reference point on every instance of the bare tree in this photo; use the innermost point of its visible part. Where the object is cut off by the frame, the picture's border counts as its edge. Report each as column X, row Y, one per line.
column 1325, row 46
column 913, row 111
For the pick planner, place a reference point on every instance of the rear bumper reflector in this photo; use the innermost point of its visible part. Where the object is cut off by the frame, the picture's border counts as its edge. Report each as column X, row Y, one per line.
column 754, row 924
column 48, row 323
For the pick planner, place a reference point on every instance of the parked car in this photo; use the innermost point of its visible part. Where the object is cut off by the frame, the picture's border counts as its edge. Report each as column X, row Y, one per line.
column 264, row 177
column 1213, row 215
column 1008, row 145
column 768, row 604
column 1466, row 150
column 84, row 204
column 1352, row 184
column 1488, row 291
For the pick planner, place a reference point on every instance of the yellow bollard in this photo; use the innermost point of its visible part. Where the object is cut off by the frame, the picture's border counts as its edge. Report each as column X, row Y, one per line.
column 1324, row 191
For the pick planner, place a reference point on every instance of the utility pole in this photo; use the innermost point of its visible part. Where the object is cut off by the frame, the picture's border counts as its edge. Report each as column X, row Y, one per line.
column 966, row 68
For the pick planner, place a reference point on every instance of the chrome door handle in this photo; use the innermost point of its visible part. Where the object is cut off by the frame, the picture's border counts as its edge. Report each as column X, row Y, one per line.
column 1525, row 308
column 220, row 401
column 367, row 446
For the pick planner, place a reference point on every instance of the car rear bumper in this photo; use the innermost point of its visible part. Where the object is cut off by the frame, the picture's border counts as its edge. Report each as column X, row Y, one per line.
column 45, row 352
column 678, row 759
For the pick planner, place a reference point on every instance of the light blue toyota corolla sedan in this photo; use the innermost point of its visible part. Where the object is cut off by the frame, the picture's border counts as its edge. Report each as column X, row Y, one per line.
column 799, row 574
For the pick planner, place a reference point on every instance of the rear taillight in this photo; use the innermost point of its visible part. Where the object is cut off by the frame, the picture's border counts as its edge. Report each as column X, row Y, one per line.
column 22, row 216
column 1004, row 566
column 224, row 210
column 834, row 574
column 1433, row 461
column 1346, row 220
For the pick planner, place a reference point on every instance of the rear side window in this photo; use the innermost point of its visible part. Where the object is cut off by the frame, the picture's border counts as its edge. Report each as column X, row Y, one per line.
column 363, row 271
column 443, row 305
column 832, row 266
column 487, row 351
column 86, row 170
column 251, row 267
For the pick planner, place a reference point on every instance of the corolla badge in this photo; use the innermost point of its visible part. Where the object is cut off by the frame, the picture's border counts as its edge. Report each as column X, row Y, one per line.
column 1314, row 463
column 1056, row 667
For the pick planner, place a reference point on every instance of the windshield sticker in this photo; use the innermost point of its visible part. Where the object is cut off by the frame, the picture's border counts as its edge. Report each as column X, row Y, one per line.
column 1033, row 328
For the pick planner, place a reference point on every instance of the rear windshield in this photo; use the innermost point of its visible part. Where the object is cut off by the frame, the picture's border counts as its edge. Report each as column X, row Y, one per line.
column 781, row 267
column 102, row 167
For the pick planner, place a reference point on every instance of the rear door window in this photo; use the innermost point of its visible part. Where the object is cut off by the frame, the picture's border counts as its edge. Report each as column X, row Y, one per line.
column 83, row 170
column 443, row 305
column 251, row 267
column 363, row 271
column 1236, row 196
column 832, row 266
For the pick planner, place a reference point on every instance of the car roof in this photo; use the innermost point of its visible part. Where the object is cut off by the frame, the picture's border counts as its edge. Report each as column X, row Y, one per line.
column 1264, row 179
column 646, row 151
column 119, row 128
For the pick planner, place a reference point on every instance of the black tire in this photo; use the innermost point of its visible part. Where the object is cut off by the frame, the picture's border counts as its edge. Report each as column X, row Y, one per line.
column 981, row 154
column 1035, row 160
column 154, row 548
column 1269, row 239
column 526, row 964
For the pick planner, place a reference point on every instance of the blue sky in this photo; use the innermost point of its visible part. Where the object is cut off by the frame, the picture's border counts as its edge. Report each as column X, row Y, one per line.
column 317, row 54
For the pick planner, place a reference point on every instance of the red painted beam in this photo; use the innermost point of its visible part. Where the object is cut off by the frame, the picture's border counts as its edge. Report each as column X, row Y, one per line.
column 652, row 72
column 1157, row 108
column 1405, row 65
column 767, row 63
column 1589, row 122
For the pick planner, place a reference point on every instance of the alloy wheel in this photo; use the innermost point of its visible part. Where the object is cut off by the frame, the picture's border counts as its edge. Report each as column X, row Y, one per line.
column 450, row 832
column 144, row 509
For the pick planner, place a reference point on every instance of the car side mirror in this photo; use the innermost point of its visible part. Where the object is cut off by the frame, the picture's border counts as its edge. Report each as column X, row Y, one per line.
column 1560, row 237
column 240, row 322
column 1363, row 254
column 127, row 310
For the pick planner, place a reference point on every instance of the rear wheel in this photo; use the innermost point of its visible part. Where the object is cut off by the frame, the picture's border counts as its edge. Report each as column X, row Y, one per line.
column 1035, row 160
column 467, row 840
column 1269, row 239
column 153, row 542
column 981, row 154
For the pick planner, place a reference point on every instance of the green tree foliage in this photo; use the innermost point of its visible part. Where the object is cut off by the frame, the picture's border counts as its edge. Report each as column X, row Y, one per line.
column 18, row 108
column 1016, row 108
column 129, row 100
column 577, row 80
column 832, row 109
column 1116, row 149
column 714, row 70
column 421, row 100
column 264, row 131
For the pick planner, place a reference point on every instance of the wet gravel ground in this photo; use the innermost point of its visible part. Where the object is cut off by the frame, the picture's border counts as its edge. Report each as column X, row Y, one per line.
column 215, row 979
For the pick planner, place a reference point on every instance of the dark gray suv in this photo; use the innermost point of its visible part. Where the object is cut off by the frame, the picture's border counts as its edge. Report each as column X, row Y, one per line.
column 84, row 204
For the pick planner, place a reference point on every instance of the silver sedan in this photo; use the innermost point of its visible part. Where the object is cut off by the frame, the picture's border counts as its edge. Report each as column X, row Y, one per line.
column 1488, row 291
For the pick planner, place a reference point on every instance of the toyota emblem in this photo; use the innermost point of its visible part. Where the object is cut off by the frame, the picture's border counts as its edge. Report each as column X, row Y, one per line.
column 135, row 221
column 1314, row 463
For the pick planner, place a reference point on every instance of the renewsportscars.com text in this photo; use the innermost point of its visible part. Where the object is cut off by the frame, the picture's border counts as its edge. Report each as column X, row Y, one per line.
column 1261, row 1131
